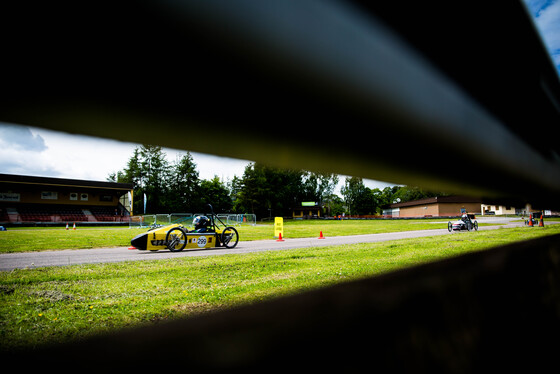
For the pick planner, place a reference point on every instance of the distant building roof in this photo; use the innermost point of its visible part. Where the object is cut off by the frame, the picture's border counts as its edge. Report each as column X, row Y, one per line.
column 61, row 182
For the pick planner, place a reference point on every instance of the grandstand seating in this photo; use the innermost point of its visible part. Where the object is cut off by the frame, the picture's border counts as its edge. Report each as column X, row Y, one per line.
column 105, row 214
column 34, row 214
column 45, row 201
column 71, row 214
column 30, row 213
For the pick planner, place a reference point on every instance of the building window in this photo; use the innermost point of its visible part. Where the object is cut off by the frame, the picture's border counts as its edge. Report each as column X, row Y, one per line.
column 84, row 196
column 49, row 195
column 73, row 196
column 9, row 196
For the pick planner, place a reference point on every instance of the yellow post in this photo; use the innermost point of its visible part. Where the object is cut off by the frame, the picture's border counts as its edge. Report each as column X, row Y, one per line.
column 278, row 226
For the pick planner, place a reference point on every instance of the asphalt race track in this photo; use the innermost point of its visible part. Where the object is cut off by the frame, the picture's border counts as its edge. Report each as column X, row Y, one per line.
column 10, row 261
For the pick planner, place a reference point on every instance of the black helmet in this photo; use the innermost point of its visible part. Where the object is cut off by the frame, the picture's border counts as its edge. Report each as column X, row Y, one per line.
column 200, row 222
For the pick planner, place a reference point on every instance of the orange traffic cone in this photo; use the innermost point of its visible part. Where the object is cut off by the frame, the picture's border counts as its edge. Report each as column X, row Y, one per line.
column 541, row 222
column 530, row 220
column 321, row 236
column 279, row 238
column 74, row 228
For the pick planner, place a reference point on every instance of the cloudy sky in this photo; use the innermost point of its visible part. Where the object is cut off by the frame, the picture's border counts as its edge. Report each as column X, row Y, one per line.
column 34, row 151
column 546, row 14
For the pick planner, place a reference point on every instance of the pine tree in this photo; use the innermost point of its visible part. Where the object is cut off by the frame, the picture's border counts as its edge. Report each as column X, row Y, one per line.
column 184, row 195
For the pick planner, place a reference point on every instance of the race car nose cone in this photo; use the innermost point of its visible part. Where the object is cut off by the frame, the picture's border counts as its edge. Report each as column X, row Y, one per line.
column 140, row 241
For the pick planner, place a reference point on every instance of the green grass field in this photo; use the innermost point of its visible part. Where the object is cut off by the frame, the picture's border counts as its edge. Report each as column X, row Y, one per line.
column 55, row 304
column 40, row 239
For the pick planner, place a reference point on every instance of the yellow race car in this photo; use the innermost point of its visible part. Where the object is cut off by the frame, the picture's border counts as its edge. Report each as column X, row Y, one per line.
column 176, row 237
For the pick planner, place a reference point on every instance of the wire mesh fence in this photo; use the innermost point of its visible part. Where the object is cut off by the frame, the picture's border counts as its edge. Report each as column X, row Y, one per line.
column 185, row 219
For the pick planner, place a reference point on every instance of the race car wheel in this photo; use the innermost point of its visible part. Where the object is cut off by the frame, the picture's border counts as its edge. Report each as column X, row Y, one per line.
column 230, row 237
column 475, row 226
column 449, row 226
column 176, row 239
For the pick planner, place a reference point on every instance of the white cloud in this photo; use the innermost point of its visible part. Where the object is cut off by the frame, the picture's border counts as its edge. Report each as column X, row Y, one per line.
column 547, row 18
column 20, row 138
column 548, row 22
column 84, row 157
column 34, row 151
column 16, row 161
column 535, row 6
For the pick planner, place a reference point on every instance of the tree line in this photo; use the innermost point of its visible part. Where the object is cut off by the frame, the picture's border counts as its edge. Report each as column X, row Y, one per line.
column 262, row 190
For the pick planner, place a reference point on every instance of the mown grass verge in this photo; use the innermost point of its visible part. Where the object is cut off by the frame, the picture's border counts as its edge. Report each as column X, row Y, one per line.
column 56, row 304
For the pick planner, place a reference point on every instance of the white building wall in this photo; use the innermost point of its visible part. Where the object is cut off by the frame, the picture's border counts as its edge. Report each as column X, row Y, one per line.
column 498, row 209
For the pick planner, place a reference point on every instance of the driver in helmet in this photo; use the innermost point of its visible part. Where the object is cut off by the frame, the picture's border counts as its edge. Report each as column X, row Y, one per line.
column 201, row 223
column 465, row 218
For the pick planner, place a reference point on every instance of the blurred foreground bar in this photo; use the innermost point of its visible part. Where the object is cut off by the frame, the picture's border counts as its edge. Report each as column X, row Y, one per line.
column 465, row 100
